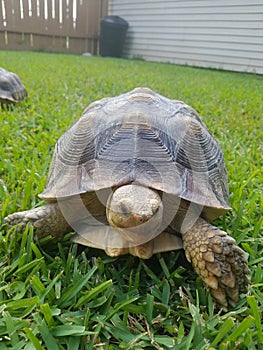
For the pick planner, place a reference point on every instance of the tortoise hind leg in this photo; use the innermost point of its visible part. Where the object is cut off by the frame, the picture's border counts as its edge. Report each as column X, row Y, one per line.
column 218, row 260
column 46, row 220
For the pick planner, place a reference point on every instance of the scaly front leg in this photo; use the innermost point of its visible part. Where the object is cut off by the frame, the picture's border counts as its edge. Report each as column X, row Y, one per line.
column 46, row 220
column 218, row 260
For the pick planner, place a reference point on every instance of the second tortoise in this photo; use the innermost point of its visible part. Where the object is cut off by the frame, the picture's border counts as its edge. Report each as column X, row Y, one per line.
column 11, row 88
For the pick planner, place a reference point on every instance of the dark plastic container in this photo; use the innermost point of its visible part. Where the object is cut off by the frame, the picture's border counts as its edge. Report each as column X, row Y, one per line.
column 113, row 31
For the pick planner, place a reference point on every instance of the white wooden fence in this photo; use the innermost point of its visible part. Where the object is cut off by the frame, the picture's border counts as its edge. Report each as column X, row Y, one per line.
column 51, row 25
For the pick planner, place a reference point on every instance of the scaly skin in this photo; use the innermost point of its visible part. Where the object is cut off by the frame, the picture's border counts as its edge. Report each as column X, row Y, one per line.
column 46, row 220
column 218, row 260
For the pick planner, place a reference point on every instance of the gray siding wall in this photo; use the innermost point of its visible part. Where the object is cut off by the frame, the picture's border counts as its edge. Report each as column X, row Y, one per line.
column 225, row 34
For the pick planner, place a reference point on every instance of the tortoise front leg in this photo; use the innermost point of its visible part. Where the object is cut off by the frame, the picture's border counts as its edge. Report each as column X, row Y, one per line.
column 218, row 260
column 46, row 220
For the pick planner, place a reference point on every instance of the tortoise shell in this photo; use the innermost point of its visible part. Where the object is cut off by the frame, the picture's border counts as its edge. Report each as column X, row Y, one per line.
column 11, row 88
column 140, row 137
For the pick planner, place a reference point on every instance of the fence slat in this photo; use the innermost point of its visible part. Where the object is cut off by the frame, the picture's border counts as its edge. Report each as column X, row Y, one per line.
column 41, row 9
column 26, row 10
column 53, row 21
column 33, row 21
column 34, row 8
column 49, row 10
column 1, row 17
column 2, row 40
column 66, row 18
column 8, row 13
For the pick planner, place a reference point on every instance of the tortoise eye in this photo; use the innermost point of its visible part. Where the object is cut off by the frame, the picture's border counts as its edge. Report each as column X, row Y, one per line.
column 124, row 209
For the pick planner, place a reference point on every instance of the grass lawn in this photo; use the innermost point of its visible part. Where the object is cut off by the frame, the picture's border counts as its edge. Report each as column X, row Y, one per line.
column 63, row 296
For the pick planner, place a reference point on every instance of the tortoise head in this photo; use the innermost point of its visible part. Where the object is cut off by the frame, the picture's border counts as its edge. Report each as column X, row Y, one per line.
column 136, row 212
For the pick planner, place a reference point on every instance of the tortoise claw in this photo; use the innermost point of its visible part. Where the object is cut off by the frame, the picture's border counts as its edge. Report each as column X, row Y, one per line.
column 143, row 251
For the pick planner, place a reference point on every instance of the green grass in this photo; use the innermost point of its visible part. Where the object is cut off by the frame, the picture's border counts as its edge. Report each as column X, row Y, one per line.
column 63, row 296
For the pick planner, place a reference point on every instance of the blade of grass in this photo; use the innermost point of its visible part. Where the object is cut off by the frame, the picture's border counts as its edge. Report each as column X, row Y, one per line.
column 166, row 293
column 119, row 306
column 223, row 330
column 93, row 293
column 241, row 328
column 255, row 313
column 29, row 266
column 45, row 308
column 26, row 304
column 149, row 307
column 66, row 330
column 10, row 328
column 47, row 336
column 33, row 339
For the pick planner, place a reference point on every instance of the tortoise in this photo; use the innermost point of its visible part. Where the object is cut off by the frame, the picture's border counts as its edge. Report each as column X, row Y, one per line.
column 11, row 88
column 141, row 174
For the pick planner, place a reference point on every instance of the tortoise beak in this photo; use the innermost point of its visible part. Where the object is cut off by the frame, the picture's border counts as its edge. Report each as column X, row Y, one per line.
column 135, row 212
